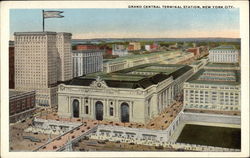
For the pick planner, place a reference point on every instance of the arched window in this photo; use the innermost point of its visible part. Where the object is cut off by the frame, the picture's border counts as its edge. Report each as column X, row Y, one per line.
column 99, row 110
column 124, row 112
column 75, row 108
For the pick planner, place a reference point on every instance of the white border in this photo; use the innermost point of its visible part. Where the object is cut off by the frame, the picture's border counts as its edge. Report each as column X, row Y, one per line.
column 244, row 32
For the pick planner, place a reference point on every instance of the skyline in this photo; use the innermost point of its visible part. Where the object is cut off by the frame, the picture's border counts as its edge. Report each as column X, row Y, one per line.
column 132, row 23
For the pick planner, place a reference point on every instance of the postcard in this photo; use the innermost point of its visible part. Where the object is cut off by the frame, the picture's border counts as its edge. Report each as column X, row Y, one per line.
column 124, row 79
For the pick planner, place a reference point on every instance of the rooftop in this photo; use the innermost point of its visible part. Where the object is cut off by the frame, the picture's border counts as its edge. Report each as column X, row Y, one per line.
column 222, row 65
column 217, row 77
column 87, row 51
column 225, row 47
column 13, row 93
column 141, row 76
column 34, row 33
column 136, row 56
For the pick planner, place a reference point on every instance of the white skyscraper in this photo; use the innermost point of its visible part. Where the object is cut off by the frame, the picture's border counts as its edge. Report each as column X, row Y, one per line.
column 64, row 62
column 41, row 59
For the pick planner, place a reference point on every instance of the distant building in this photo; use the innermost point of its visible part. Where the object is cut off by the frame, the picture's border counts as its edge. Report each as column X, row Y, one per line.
column 147, row 48
column 21, row 105
column 152, row 47
column 86, row 47
column 165, row 57
column 87, row 61
column 131, row 95
column 213, row 89
column 119, row 50
column 134, row 46
column 11, row 67
column 224, row 54
column 196, row 51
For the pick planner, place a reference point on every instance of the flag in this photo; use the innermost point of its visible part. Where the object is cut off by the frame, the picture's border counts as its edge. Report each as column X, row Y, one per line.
column 52, row 14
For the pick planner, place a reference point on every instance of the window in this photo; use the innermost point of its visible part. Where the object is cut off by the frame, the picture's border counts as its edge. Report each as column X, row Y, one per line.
column 86, row 109
column 111, row 111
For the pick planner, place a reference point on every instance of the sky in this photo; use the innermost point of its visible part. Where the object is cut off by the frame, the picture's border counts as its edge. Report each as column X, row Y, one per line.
column 131, row 23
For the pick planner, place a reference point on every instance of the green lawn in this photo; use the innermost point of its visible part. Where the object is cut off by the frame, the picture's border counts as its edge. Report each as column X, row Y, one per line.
column 211, row 135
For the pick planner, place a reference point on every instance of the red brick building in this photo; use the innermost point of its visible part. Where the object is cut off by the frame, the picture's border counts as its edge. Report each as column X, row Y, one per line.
column 21, row 105
column 154, row 46
column 11, row 67
column 86, row 47
column 196, row 51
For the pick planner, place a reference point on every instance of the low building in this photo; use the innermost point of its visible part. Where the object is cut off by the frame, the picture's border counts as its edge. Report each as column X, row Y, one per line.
column 87, row 61
column 134, row 46
column 151, row 47
column 135, row 94
column 85, row 47
column 224, row 54
column 147, row 48
column 196, row 51
column 21, row 104
column 119, row 50
column 213, row 89
column 165, row 57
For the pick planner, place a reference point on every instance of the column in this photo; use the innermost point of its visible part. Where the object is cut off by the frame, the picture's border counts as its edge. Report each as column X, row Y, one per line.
column 172, row 93
column 91, row 107
column 166, row 95
column 82, row 106
column 116, row 108
column 105, row 108
column 130, row 111
column 69, row 104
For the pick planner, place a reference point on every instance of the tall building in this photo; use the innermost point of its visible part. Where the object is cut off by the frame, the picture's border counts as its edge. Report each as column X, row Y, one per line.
column 224, row 54
column 64, row 58
column 36, row 63
column 87, row 61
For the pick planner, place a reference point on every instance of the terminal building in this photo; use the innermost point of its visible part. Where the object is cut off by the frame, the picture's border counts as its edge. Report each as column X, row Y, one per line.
column 87, row 61
column 134, row 94
column 224, row 54
column 164, row 57
column 214, row 88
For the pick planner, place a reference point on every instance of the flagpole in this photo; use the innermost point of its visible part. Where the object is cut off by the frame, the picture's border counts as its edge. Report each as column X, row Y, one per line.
column 43, row 20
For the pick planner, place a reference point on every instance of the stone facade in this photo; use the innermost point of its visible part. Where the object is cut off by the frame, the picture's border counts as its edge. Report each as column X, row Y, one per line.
column 139, row 105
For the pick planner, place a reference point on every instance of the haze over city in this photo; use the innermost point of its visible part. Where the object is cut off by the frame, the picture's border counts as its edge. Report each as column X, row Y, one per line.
column 132, row 23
